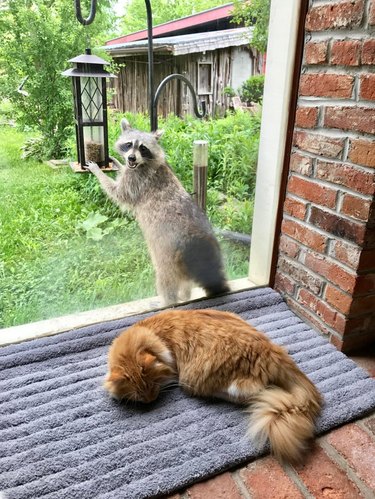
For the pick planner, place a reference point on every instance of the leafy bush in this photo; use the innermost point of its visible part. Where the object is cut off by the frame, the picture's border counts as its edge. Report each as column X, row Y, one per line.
column 252, row 89
column 33, row 148
column 38, row 38
column 229, row 91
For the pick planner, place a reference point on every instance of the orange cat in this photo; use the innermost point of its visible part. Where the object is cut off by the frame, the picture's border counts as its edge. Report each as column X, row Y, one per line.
column 217, row 354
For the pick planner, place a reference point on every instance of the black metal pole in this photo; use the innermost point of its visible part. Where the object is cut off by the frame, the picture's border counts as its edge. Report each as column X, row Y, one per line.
column 153, row 114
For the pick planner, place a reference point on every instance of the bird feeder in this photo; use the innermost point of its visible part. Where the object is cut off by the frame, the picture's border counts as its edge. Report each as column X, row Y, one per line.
column 90, row 109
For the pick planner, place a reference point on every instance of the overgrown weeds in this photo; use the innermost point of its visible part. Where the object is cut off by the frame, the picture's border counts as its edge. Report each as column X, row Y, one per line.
column 64, row 247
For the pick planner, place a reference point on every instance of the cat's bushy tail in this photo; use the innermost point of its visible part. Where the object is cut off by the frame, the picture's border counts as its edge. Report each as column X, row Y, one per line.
column 285, row 414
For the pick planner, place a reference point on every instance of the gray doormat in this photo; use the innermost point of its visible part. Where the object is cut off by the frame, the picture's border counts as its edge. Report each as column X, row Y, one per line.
column 62, row 437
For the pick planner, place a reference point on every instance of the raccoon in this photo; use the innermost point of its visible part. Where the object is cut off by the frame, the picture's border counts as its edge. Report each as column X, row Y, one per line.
column 180, row 239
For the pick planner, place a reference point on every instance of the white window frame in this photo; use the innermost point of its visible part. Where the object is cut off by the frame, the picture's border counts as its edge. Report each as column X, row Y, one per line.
column 281, row 51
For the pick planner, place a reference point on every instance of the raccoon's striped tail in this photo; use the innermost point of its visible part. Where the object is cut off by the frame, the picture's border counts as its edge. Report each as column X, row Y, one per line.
column 286, row 417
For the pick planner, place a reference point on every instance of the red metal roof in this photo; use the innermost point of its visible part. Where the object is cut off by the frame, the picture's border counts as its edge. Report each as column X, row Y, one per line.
column 186, row 22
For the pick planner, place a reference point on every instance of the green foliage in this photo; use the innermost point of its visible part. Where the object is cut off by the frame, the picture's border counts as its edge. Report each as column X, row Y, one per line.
column 135, row 18
column 65, row 247
column 229, row 91
column 254, row 13
column 38, row 38
column 33, row 148
column 252, row 89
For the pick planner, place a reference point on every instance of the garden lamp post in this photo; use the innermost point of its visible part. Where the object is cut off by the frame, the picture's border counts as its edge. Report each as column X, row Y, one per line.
column 90, row 109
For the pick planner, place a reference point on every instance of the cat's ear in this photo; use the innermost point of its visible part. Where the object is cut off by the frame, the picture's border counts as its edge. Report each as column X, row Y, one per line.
column 146, row 359
column 115, row 375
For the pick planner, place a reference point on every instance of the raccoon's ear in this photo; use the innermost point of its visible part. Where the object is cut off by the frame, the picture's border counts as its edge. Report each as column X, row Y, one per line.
column 125, row 125
column 158, row 134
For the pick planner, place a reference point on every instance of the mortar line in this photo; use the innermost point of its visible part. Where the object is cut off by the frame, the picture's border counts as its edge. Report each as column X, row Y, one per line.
column 343, row 464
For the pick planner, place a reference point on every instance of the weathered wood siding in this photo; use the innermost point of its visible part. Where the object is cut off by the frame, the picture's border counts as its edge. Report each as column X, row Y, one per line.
column 131, row 86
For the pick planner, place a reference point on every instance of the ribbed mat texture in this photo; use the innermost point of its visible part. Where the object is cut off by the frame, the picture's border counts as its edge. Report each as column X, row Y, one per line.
column 62, row 437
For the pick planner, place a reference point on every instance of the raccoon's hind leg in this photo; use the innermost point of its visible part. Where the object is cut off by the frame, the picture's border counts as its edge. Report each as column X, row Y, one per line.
column 184, row 292
column 202, row 261
column 167, row 288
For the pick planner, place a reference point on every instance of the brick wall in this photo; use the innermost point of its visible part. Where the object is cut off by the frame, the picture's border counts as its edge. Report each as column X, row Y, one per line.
column 326, row 261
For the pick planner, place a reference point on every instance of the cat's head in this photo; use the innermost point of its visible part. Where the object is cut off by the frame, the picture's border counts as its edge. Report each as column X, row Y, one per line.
column 138, row 148
column 136, row 371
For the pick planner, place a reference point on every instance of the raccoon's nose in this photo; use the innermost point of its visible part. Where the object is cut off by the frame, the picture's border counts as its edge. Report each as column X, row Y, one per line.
column 132, row 158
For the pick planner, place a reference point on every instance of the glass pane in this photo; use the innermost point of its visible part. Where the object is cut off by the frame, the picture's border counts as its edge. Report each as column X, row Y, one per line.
column 93, row 137
column 92, row 99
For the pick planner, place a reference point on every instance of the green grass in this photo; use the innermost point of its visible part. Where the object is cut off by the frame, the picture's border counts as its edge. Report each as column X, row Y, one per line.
column 48, row 265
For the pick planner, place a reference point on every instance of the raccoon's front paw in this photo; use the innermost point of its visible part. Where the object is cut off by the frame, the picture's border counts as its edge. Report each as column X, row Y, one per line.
column 91, row 166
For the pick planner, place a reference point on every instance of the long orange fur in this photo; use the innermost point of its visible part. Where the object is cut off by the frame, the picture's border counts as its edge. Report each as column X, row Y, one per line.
column 213, row 353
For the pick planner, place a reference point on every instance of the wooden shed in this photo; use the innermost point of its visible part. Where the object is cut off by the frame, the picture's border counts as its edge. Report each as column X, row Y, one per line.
column 211, row 60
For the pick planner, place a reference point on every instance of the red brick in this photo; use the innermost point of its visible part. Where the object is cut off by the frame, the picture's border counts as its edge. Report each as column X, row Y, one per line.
column 316, row 52
column 365, row 358
column 362, row 152
column 370, row 423
column 357, row 326
column 355, row 207
column 346, row 175
column 295, row 208
column 342, row 14
column 362, row 305
column 265, row 478
column 338, row 226
column 312, row 191
column 328, row 315
column 371, row 14
column 365, row 284
column 284, row 284
column 346, row 52
column 221, row 487
column 309, row 316
column 331, row 317
column 367, row 260
column 326, row 85
column 358, row 448
column 318, row 144
column 360, row 119
column 333, row 272
column 301, row 164
column 324, row 479
column 352, row 343
column 307, row 299
column 307, row 117
column 289, row 247
column 304, row 235
column 299, row 274
column 335, row 297
column 336, row 341
column 367, row 87
column 368, row 51
column 346, row 253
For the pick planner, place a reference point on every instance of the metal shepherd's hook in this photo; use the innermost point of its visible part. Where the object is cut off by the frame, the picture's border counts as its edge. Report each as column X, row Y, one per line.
column 153, row 97
column 88, row 20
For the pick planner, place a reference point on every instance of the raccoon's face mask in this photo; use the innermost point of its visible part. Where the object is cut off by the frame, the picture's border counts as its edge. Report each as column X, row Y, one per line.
column 135, row 153
column 138, row 148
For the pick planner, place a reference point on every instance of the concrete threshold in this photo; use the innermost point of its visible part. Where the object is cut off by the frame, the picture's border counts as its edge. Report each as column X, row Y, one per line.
column 49, row 327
